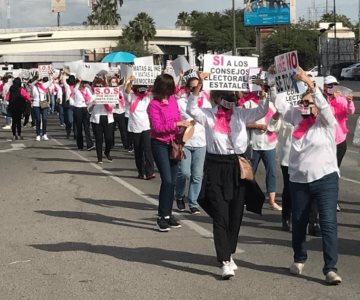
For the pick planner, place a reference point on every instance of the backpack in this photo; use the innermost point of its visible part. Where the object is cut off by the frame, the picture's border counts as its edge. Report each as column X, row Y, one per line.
column 16, row 102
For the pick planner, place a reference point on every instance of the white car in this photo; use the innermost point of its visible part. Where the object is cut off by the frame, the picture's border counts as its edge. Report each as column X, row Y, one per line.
column 350, row 72
column 313, row 72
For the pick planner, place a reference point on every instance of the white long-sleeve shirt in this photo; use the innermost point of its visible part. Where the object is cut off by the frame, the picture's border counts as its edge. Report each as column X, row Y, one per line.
column 139, row 119
column 198, row 139
column 313, row 155
column 221, row 143
column 98, row 111
column 38, row 94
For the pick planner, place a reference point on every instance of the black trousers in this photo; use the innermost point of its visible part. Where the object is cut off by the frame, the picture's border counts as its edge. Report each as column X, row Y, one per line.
column 16, row 122
column 82, row 120
column 143, row 155
column 224, row 193
column 103, row 130
column 120, row 122
column 129, row 134
column 285, row 196
column 340, row 152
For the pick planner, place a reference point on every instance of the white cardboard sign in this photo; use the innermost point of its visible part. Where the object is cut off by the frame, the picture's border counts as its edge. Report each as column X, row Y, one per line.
column 228, row 72
column 44, row 70
column 125, row 71
column 73, row 66
column 106, row 95
column 88, row 71
column 142, row 61
column 181, row 65
column 146, row 74
column 254, row 73
column 286, row 66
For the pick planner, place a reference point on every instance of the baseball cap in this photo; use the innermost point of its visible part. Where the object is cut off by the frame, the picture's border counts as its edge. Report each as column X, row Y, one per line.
column 330, row 79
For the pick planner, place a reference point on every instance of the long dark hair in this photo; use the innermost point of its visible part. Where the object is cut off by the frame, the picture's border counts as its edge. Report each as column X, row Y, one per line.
column 15, row 88
column 164, row 87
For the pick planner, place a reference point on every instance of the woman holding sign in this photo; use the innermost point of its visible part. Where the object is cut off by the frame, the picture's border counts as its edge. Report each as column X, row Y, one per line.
column 223, row 191
column 102, row 121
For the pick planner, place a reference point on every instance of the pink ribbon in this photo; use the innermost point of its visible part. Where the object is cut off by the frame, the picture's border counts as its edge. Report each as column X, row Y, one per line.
column 222, row 121
column 138, row 98
column 303, row 127
column 204, row 95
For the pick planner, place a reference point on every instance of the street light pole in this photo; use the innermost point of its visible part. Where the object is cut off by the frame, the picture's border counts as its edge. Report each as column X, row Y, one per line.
column 234, row 28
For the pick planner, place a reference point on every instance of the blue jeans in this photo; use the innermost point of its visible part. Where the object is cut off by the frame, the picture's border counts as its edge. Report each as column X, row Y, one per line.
column 168, row 170
column 60, row 110
column 41, row 116
column 191, row 168
column 69, row 120
column 269, row 159
column 324, row 192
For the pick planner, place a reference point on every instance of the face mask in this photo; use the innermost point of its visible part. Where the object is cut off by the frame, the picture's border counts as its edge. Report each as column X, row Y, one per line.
column 227, row 104
column 330, row 91
column 113, row 84
column 305, row 111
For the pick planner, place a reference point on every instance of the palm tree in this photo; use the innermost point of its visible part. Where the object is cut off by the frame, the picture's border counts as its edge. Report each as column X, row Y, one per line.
column 183, row 19
column 104, row 12
column 142, row 28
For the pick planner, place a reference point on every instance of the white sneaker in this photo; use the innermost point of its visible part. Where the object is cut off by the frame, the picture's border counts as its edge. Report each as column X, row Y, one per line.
column 45, row 137
column 333, row 278
column 227, row 270
column 296, row 268
column 37, row 138
column 233, row 264
column 7, row 127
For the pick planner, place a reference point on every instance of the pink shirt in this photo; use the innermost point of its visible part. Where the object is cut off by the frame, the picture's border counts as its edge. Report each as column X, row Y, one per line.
column 163, row 117
column 341, row 109
column 23, row 93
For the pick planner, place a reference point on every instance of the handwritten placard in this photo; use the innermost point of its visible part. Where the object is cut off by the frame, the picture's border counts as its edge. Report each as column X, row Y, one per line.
column 106, row 95
column 146, row 74
column 228, row 72
column 286, row 66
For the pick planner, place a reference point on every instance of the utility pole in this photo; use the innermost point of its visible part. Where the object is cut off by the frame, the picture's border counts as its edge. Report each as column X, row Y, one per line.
column 234, row 28
column 8, row 13
column 58, row 19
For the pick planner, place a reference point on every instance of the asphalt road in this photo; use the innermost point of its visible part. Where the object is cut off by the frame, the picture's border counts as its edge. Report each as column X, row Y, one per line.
column 73, row 230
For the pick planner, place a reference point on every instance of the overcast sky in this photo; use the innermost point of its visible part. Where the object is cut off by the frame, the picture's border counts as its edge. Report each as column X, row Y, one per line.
column 36, row 13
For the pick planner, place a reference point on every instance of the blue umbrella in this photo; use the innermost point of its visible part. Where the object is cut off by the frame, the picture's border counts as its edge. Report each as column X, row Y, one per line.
column 119, row 57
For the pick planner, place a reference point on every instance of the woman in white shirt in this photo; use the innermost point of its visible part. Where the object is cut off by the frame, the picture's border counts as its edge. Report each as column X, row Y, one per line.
column 102, row 121
column 222, row 189
column 139, row 126
column 314, row 175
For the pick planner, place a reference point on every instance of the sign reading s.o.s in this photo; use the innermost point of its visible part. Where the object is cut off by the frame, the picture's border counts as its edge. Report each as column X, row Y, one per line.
column 106, row 95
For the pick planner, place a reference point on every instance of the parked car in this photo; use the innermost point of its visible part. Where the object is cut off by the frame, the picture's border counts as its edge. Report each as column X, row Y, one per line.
column 314, row 71
column 335, row 70
column 351, row 72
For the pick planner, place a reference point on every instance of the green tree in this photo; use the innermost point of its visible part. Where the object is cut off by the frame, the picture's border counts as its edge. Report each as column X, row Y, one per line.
column 105, row 12
column 285, row 39
column 129, row 45
column 142, row 28
column 329, row 17
column 183, row 19
column 214, row 31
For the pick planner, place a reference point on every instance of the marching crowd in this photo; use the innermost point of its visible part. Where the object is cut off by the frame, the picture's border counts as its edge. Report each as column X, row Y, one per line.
column 210, row 130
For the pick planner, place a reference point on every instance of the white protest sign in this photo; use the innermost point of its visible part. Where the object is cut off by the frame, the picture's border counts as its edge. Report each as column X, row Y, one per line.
column 181, row 65
column 319, row 81
column 286, row 66
column 144, row 61
column 171, row 72
column 106, row 95
column 44, row 70
column 228, row 72
column 88, row 71
column 73, row 66
column 125, row 71
column 254, row 73
column 146, row 75
column 191, row 74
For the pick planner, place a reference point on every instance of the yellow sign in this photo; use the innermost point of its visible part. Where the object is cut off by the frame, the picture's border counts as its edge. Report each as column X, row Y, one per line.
column 58, row 6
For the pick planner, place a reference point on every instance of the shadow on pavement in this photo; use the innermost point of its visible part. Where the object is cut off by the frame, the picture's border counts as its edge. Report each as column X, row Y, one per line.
column 118, row 203
column 147, row 255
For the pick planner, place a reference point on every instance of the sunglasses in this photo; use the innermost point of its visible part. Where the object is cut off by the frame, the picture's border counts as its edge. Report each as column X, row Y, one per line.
column 305, row 103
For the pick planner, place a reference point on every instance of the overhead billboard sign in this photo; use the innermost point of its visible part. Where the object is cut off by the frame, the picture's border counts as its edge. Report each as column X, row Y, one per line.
column 266, row 13
column 58, row 6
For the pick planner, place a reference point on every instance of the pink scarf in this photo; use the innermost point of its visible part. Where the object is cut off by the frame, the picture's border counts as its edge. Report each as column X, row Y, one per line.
column 121, row 100
column 108, row 108
column 204, row 95
column 41, row 87
column 222, row 121
column 86, row 95
column 270, row 135
column 138, row 98
column 303, row 127
column 71, row 91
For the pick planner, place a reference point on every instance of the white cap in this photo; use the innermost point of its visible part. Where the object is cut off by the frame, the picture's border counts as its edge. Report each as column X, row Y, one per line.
column 330, row 79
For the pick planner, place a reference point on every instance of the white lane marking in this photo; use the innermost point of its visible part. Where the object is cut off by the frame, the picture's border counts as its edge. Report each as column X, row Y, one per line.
column 350, row 180
column 353, row 151
column 192, row 225
column 14, row 147
column 19, row 261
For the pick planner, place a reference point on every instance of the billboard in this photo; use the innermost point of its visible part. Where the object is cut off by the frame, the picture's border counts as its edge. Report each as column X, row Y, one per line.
column 266, row 13
column 58, row 6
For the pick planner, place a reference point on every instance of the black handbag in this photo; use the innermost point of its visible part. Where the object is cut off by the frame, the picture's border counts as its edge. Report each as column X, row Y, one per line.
column 254, row 197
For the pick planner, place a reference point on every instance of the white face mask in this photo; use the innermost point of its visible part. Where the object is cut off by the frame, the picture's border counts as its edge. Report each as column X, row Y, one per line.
column 305, row 111
column 113, row 84
column 227, row 104
column 330, row 91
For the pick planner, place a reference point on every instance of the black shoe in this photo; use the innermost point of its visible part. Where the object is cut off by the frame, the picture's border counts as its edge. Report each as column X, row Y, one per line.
column 172, row 222
column 108, row 157
column 194, row 211
column 68, row 136
column 314, row 230
column 140, row 176
column 91, row 148
column 162, row 225
column 180, row 204
column 286, row 225
column 149, row 177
